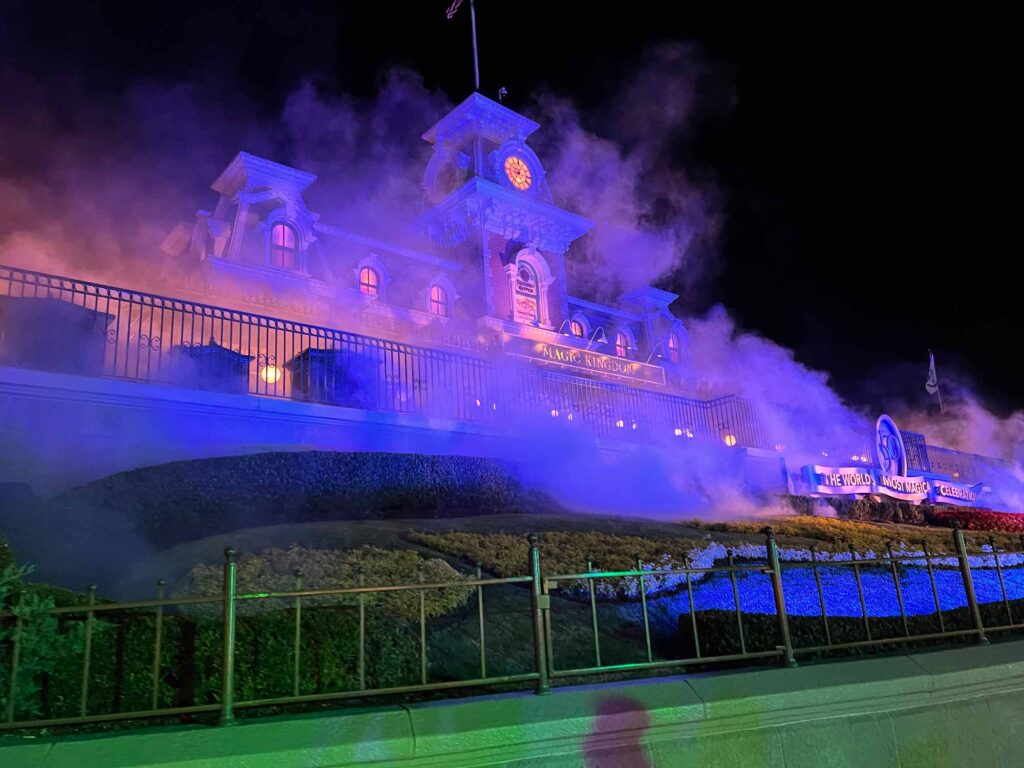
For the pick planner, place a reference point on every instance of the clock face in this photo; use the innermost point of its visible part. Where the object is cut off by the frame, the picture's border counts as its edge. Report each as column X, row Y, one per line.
column 518, row 172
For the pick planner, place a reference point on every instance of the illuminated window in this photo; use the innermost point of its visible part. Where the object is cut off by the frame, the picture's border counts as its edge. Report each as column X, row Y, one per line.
column 674, row 348
column 577, row 329
column 622, row 345
column 369, row 281
column 284, row 247
column 438, row 301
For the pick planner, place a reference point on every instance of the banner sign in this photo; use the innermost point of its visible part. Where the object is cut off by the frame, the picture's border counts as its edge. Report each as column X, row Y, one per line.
column 903, row 488
column 870, row 481
column 955, row 493
column 582, row 360
column 832, row 481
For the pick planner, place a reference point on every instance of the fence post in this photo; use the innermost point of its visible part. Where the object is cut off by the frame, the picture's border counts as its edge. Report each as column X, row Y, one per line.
column 227, row 682
column 540, row 603
column 965, row 571
column 780, row 599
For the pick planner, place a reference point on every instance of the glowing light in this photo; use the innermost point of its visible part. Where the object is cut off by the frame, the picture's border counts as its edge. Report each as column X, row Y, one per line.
column 554, row 412
column 855, row 457
column 956, row 474
column 825, row 454
column 478, row 403
column 577, row 329
column 369, row 281
column 779, row 447
column 270, row 374
column 678, row 432
column 635, row 425
column 518, row 173
column 729, row 440
column 494, row 406
column 620, row 423
column 569, row 416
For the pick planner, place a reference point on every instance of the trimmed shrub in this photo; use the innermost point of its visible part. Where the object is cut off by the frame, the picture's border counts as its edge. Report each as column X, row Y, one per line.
column 560, row 551
column 274, row 570
column 183, row 501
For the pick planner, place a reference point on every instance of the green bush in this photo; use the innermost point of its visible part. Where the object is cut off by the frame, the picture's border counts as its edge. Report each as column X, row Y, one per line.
column 719, row 634
column 6, row 556
column 123, row 643
column 45, row 648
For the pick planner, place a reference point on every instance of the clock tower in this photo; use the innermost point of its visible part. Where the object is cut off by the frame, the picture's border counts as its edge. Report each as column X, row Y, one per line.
column 492, row 209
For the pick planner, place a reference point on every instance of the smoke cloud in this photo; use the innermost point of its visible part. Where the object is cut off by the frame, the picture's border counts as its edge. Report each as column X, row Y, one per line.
column 90, row 186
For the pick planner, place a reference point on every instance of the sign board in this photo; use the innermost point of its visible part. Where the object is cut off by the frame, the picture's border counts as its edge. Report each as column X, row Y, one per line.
column 582, row 360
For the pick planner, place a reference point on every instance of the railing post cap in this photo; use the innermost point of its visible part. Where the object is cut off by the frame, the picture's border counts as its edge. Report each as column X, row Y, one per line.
column 769, row 532
column 533, row 538
column 956, row 525
column 161, row 583
column 229, row 553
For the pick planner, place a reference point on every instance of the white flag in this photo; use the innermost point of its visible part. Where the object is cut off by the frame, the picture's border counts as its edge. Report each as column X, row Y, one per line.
column 932, row 385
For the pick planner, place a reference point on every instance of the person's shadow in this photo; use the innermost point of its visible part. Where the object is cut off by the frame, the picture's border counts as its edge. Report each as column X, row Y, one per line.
column 626, row 717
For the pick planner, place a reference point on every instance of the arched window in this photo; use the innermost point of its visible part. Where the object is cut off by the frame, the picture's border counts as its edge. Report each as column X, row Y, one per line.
column 622, row 344
column 438, row 301
column 284, row 247
column 674, row 348
column 369, row 281
column 577, row 329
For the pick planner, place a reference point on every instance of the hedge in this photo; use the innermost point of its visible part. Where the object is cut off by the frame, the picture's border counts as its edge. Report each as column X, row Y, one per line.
column 187, row 500
column 51, row 654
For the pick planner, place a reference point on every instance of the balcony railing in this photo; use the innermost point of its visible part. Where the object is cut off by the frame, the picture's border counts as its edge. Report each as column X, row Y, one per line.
column 74, row 326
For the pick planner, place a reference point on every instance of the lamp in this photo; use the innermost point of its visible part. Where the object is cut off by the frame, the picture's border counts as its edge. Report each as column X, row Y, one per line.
column 598, row 336
column 654, row 351
column 564, row 323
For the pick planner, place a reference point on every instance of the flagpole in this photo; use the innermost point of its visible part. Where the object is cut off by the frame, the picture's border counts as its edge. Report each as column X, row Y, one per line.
column 476, row 60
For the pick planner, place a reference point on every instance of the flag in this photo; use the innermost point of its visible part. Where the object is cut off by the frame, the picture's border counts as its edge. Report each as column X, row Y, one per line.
column 932, row 384
column 453, row 8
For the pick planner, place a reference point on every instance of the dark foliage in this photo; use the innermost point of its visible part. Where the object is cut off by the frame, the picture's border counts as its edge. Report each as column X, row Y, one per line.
column 184, row 501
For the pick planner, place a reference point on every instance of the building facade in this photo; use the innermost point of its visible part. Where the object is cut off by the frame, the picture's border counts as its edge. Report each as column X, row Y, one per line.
column 476, row 334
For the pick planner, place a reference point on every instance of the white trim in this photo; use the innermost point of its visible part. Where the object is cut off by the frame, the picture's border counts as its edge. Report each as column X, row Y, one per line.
column 593, row 305
column 409, row 253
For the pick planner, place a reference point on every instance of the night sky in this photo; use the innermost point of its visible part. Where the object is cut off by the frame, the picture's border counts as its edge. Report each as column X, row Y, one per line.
column 862, row 156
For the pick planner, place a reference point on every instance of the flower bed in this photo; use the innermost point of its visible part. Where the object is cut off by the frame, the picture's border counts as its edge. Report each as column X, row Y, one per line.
column 977, row 519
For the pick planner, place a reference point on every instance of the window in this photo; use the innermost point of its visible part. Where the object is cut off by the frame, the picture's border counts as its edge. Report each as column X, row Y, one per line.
column 284, row 247
column 369, row 281
column 674, row 348
column 438, row 301
column 577, row 329
column 622, row 345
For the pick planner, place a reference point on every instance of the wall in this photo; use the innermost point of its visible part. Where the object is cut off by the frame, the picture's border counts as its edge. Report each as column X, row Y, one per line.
column 59, row 430
column 935, row 710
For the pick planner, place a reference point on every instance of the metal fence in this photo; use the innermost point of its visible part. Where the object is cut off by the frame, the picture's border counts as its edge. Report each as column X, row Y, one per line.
column 73, row 326
column 707, row 647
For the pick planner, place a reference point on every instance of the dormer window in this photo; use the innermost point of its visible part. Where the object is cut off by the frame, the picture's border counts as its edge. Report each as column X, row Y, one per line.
column 369, row 281
column 577, row 329
column 438, row 301
column 284, row 247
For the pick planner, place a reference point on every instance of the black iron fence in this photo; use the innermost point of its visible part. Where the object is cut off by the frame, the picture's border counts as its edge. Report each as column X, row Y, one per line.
column 703, row 639
column 73, row 326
